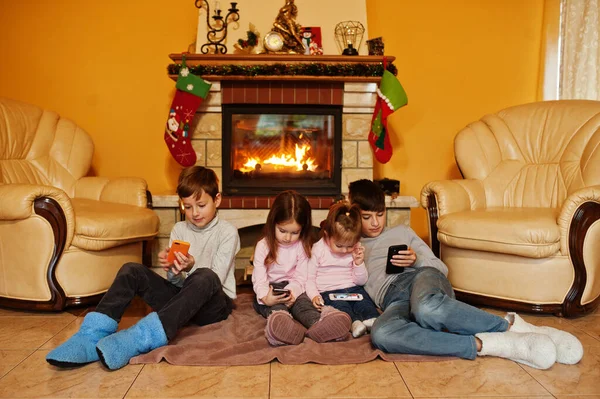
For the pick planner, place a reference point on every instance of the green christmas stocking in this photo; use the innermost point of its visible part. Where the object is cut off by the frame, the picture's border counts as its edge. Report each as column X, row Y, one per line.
column 390, row 97
column 191, row 90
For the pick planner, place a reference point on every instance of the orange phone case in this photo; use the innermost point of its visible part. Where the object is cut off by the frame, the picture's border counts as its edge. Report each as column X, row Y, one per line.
column 177, row 246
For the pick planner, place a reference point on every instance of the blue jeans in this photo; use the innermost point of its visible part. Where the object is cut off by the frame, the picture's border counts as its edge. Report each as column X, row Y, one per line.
column 358, row 310
column 422, row 317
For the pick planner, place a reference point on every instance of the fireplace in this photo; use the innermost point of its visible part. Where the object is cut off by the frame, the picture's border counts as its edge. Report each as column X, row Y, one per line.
column 270, row 148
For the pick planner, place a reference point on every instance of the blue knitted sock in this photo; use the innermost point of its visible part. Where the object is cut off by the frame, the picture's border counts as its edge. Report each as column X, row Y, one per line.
column 80, row 349
column 146, row 335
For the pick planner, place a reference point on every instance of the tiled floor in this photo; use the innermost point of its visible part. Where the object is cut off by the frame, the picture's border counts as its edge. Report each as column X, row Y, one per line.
column 26, row 338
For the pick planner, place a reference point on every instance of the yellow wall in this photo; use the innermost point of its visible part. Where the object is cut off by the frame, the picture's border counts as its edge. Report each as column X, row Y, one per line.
column 103, row 64
column 457, row 61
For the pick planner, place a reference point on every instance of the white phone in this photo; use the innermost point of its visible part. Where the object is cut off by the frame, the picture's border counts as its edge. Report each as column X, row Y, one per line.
column 344, row 296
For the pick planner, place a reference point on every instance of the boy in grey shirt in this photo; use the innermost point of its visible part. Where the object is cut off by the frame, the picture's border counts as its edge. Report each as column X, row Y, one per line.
column 199, row 289
column 420, row 314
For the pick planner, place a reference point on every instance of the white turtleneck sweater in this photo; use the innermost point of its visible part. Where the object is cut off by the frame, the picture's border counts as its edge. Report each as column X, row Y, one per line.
column 213, row 246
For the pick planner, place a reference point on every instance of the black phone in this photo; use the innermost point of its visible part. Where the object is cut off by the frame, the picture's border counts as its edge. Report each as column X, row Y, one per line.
column 281, row 291
column 393, row 250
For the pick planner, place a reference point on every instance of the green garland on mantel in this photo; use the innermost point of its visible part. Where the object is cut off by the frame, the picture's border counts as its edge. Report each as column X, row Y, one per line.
column 312, row 69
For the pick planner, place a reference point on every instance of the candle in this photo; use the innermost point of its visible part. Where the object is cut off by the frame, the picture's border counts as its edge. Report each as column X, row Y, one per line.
column 217, row 5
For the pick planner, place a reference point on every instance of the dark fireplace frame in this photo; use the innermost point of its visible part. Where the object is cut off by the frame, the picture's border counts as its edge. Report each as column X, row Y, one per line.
column 270, row 187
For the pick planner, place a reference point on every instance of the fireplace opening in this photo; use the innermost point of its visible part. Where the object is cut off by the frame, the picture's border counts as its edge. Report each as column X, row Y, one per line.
column 271, row 148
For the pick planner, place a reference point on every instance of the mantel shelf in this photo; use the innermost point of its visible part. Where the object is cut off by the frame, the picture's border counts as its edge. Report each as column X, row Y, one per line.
column 271, row 59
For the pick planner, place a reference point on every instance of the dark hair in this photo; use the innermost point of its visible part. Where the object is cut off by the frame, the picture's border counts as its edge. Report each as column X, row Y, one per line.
column 343, row 223
column 196, row 180
column 288, row 205
column 367, row 195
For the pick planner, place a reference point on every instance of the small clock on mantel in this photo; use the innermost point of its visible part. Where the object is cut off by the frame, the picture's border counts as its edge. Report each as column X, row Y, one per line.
column 273, row 42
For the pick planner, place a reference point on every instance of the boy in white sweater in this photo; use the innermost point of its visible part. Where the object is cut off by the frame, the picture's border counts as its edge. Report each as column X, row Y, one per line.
column 199, row 289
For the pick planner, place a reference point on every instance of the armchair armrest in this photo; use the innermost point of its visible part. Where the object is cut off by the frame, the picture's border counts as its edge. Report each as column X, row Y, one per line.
column 580, row 234
column 123, row 190
column 25, row 205
column 570, row 206
column 448, row 196
column 17, row 202
column 454, row 195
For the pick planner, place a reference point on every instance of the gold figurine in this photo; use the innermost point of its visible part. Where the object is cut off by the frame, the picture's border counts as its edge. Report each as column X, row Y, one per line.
column 291, row 32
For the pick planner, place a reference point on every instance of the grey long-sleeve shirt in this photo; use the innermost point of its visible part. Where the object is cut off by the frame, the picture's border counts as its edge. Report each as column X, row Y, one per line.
column 376, row 250
column 213, row 246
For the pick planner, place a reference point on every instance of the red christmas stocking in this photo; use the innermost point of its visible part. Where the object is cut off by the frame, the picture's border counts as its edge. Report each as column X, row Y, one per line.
column 390, row 97
column 191, row 90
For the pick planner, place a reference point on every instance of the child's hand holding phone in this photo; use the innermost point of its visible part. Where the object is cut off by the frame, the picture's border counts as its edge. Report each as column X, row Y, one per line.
column 399, row 257
column 277, row 295
column 318, row 302
column 182, row 263
column 176, row 258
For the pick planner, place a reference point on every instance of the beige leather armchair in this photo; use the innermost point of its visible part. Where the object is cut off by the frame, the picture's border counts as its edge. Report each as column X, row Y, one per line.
column 522, row 229
column 63, row 236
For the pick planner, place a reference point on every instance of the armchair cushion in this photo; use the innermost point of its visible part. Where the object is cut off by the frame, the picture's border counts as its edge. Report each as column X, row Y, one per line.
column 529, row 232
column 101, row 225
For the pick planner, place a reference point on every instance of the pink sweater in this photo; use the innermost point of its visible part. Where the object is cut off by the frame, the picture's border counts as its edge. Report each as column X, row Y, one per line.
column 290, row 265
column 328, row 271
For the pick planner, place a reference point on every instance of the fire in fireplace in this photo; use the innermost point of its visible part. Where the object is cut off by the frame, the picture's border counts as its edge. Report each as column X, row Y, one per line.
column 270, row 148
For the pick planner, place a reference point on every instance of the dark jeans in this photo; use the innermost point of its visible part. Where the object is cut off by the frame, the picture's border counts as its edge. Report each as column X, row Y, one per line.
column 302, row 309
column 200, row 301
column 358, row 310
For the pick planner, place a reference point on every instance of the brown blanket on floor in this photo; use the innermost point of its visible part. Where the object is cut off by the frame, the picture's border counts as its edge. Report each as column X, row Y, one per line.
column 240, row 341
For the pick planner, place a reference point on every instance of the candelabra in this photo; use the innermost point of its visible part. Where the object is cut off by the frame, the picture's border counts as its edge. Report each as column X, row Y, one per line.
column 218, row 32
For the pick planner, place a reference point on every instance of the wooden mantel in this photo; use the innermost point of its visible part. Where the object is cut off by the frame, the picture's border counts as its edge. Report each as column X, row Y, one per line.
column 270, row 59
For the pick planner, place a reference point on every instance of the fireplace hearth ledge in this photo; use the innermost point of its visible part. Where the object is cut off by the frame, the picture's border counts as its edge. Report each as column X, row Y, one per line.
column 167, row 208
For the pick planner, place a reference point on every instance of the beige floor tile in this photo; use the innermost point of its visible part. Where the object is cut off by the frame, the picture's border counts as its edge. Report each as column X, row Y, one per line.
column 34, row 378
column 589, row 324
column 497, row 397
column 488, row 376
column 577, row 397
column 70, row 313
column 10, row 359
column 579, row 379
column 376, row 379
column 163, row 380
column 30, row 332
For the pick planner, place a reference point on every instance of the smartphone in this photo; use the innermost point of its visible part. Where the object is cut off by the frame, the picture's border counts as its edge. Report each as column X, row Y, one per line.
column 393, row 250
column 345, row 296
column 177, row 246
column 281, row 291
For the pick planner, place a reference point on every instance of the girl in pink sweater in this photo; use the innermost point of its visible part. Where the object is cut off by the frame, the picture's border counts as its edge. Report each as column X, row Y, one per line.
column 337, row 267
column 279, row 278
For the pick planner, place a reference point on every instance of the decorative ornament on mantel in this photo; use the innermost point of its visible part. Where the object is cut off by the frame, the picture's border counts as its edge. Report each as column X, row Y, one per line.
column 217, row 32
column 349, row 35
column 247, row 46
column 288, row 29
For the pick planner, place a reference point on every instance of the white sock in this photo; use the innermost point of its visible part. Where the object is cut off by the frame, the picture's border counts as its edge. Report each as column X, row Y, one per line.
column 535, row 350
column 369, row 323
column 358, row 328
column 568, row 348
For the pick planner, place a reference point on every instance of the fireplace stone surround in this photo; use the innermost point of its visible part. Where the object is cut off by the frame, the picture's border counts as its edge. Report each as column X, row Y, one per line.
column 355, row 94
